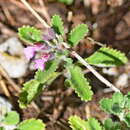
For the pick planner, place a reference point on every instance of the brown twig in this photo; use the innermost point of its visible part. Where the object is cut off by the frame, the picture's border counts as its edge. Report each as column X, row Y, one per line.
column 4, row 87
column 14, row 85
column 42, row 10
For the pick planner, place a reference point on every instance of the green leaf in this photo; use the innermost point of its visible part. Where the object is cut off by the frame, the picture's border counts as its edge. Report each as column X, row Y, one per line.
column 127, row 119
column 93, row 124
column 30, row 90
column 30, row 34
column 110, row 125
column 57, row 24
column 76, row 123
column 79, row 83
column 77, row 34
column 67, row 2
column 114, row 105
column 107, row 57
column 2, row 128
column 106, row 105
column 48, row 73
column 11, row 118
column 31, row 124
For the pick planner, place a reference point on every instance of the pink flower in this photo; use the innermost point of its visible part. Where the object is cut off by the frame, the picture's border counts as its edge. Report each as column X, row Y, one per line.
column 40, row 63
column 30, row 50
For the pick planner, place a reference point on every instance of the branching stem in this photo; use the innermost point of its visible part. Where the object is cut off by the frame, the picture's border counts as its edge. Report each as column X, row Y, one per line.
column 77, row 56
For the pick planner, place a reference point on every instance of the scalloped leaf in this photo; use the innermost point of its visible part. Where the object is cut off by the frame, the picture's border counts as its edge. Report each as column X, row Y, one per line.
column 93, row 124
column 31, row 124
column 76, row 123
column 11, row 118
column 30, row 90
column 57, row 24
column 114, row 105
column 110, row 125
column 77, row 34
column 30, row 34
column 107, row 57
column 79, row 83
column 48, row 73
column 127, row 119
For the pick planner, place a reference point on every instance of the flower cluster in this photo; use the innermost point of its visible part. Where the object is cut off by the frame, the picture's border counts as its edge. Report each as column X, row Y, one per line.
column 40, row 47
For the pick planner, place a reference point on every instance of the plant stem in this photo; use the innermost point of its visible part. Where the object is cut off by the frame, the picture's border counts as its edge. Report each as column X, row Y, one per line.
column 100, row 77
column 77, row 56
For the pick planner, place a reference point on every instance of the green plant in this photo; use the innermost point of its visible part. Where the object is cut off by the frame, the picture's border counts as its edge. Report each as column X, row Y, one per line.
column 12, row 119
column 67, row 2
column 55, row 52
column 47, row 67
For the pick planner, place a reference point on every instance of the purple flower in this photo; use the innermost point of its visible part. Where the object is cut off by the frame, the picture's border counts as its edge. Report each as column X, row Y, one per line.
column 30, row 52
column 40, row 63
column 50, row 35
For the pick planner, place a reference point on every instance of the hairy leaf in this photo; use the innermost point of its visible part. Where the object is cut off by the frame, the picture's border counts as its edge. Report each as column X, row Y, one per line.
column 31, row 124
column 106, row 105
column 11, row 118
column 57, row 24
column 93, row 124
column 110, row 125
column 79, row 83
column 30, row 34
column 127, row 119
column 30, row 90
column 76, row 123
column 48, row 73
column 77, row 34
column 107, row 57
column 114, row 105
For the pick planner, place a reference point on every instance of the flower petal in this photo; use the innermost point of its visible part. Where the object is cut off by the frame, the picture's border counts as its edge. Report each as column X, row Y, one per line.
column 29, row 52
column 39, row 64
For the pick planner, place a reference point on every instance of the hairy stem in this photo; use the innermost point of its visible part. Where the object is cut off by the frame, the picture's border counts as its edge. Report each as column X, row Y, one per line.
column 77, row 56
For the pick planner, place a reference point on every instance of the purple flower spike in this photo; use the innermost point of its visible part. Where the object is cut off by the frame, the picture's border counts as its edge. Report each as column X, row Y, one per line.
column 39, row 64
column 50, row 35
